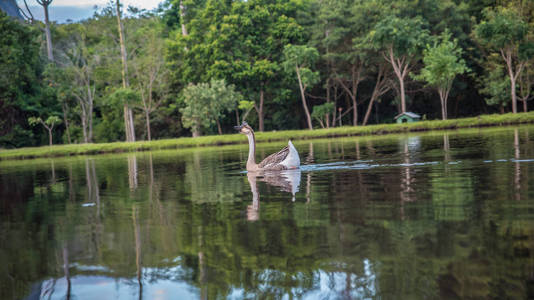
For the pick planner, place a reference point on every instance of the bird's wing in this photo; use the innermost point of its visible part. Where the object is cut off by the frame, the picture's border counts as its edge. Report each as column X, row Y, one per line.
column 274, row 158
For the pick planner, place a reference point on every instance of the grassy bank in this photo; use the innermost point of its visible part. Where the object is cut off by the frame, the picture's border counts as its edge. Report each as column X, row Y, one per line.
column 78, row 149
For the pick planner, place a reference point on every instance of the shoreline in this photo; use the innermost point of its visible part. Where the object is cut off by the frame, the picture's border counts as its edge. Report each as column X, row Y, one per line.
column 265, row 137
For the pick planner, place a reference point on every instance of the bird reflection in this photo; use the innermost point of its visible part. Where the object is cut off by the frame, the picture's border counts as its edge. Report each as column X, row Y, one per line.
column 286, row 181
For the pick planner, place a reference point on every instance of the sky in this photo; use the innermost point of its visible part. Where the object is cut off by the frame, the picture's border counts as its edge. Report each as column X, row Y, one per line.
column 62, row 10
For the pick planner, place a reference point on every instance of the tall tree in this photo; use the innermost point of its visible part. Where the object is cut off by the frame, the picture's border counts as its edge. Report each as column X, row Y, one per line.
column 128, row 114
column 206, row 103
column 45, row 4
column 252, row 39
column 336, row 26
column 382, row 85
column 19, row 79
column 300, row 59
column 443, row 63
column 400, row 40
column 149, row 67
column 48, row 124
column 80, row 63
column 503, row 30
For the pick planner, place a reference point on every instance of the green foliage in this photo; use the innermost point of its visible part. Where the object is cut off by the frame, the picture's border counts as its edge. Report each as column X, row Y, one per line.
column 443, row 62
column 496, row 85
column 206, row 103
column 123, row 96
column 502, row 28
column 321, row 111
column 343, row 46
column 19, row 75
column 302, row 58
column 405, row 36
column 50, row 121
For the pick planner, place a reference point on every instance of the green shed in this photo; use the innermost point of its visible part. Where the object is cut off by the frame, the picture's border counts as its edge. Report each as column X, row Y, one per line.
column 407, row 117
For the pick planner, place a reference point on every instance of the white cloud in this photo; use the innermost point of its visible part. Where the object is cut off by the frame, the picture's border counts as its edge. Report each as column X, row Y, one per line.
column 62, row 10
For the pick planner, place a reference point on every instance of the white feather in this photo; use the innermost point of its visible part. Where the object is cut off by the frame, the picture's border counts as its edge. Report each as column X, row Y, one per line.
column 292, row 161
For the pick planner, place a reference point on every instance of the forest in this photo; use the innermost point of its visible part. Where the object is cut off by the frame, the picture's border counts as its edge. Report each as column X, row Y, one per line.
column 191, row 68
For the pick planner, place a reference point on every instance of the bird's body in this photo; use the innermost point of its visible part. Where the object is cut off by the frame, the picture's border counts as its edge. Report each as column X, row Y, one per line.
column 285, row 159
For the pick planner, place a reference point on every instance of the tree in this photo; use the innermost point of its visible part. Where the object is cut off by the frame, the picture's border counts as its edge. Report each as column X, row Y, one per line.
column 321, row 112
column 48, row 124
column 149, row 67
column 45, row 4
column 300, row 59
column 526, row 83
column 400, row 40
column 382, row 86
column 80, row 63
column 504, row 31
column 495, row 84
column 20, row 67
column 128, row 114
column 247, row 47
column 337, row 24
column 206, row 103
column 443, row 63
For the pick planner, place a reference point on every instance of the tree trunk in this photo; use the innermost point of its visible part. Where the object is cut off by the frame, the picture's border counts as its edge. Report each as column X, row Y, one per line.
column 195, row 130
column 403, row 97
column 66, row 121
column 380, row 89
column 219, row 129
column 84, row 128
column 182, row 18
column 507, row 56
column 131, row 123
column 90, row 125
column 260, row 111
column 400, row 67
column 49, row 136
column 327, row 117
column 303, row 97
column 514, row 96
column 147, row 116
column 525, row 106
column 128, row 124
column 47, row 32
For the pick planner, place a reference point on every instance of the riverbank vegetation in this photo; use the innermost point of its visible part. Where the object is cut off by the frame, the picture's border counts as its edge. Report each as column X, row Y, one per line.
column 193, row 68
column 272, row 136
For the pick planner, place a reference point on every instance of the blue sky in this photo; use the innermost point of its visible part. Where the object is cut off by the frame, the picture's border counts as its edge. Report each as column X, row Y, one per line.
column 62, row 10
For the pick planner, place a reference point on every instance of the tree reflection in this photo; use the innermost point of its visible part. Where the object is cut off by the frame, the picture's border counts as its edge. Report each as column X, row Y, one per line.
column 190, row 225
column 517, row 166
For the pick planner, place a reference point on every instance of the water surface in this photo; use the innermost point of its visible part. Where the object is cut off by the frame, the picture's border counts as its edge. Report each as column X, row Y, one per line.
column 440, row 215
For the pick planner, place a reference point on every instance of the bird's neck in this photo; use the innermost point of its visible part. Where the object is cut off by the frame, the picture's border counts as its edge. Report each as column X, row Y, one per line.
column 251, row 162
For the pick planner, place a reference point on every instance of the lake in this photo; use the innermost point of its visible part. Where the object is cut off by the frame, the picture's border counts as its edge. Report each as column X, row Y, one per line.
column 434, row 215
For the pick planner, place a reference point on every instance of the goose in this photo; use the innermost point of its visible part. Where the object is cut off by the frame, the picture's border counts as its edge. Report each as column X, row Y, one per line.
column 285, row 159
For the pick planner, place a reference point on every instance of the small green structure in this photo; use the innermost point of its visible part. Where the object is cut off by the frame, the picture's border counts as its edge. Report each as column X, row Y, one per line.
column 407, row 117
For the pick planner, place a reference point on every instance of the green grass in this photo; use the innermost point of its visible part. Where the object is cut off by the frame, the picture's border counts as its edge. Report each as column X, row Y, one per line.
column 261, row 137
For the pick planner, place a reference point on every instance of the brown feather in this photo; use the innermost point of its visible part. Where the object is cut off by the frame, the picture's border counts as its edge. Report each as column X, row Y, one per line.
column 272, row 161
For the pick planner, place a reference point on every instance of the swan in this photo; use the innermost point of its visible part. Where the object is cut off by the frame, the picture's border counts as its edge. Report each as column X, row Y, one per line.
column 285, row 159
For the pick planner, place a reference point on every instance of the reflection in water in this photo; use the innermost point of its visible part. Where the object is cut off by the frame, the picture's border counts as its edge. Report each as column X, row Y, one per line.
column 132, row 171
column 286, row 181
column 138, row 262
column 517, row 169
column 389, row 217
column 66, row 270
column 410, row 147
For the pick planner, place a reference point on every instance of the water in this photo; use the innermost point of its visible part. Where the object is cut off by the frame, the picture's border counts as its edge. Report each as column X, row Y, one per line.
column 441, row 215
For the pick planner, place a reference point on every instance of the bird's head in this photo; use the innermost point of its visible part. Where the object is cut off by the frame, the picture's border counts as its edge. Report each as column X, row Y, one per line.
column 244, row 128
